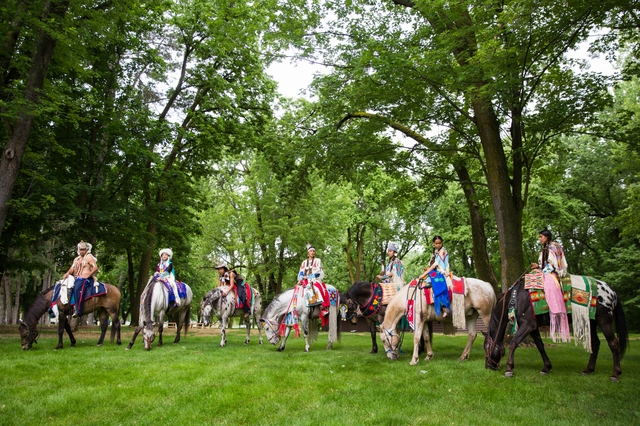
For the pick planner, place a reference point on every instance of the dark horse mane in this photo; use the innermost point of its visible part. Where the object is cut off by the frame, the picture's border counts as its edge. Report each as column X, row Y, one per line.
column 359, row 285
column 38, row 308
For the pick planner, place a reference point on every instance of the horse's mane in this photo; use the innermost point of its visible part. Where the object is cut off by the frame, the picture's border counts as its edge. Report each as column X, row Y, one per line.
column 147, row 301
column 275, row 304
column 39, row 307
column 358, row 285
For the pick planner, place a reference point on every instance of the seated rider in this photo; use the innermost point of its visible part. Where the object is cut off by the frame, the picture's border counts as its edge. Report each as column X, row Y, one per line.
column 231, row 278
column 393, row 272
column 440, row 263
column 83, row 269
column 311, row 272
column 166, row 272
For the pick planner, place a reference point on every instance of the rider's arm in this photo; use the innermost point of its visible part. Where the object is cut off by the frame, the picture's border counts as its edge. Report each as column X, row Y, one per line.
column 232, row 282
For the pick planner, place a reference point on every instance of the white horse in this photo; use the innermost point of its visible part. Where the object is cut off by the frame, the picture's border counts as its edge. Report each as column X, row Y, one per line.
column 214, row 303
column 154, row 304
column 479, row 300
column 293, row 302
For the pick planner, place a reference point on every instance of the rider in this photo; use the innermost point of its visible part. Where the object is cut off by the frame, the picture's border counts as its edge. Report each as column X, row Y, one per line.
column 83, row 269
column 554, row 266
column 439, row 263
column 231, row 278
column 311, row 272
column 166, row 272
column 393, row 272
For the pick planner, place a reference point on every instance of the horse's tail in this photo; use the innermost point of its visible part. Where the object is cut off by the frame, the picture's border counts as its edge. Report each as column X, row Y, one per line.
column 621, row 327
column 334, row 324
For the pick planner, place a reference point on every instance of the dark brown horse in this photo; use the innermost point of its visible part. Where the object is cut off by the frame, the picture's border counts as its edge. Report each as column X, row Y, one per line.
column 106, row 305
column 608, row 311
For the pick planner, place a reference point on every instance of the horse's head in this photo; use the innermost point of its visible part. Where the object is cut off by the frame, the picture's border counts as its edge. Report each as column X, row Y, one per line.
column 348, row 310
column 391, row 341
column 148, row 334
column 494, row 351
column 209, row 304
column 270, row 330
column 28, row 336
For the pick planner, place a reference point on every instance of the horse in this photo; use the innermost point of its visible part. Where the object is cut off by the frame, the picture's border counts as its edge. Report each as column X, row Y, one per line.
column 154, row 304
column 224, row 307
column 608, row 311
column 291, row 302
column 359, row 296
column 106, row 305
column 479, row 300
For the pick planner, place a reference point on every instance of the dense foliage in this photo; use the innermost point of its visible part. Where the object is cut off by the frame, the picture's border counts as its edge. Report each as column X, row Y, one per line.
column 140, row 124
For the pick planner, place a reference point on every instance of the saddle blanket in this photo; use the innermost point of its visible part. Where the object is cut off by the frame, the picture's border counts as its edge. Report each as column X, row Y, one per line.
column 88, row 292
column 182, row 290
column 587, row 296
column 248, row 296
column 389, row 291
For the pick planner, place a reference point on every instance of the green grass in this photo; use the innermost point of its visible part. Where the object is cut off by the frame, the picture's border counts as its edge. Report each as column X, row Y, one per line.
column 198, row 383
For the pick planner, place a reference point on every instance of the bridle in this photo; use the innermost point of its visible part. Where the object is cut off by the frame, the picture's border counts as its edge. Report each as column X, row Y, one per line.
column 491, row 342
column 387, row 338
column 269, row 326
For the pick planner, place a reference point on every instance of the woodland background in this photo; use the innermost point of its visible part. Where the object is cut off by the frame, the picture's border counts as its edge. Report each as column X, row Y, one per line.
column 137, row 125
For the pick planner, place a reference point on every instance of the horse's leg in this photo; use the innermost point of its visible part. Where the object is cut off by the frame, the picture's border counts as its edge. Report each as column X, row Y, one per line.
column 247, row 325
column 524, row 329
column 427, row 336
column 61, row 328
column 472, row 334
column 417, row 334
column 614, row 345
column 223, row 329
column 374, row 338
column 255, row 319
column 135, row 334
column 67, row 328
column 283, row 341
column 305, row 330
column 104, row 324
column 179, row 323
column 115, row 326
column 535, row 335
column 160, row 330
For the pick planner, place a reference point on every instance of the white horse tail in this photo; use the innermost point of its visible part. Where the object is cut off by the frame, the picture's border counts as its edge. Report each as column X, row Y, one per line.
column 334, row 324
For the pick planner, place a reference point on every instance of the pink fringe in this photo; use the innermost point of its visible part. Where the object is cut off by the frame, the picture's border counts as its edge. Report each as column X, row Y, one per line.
column 559, row 324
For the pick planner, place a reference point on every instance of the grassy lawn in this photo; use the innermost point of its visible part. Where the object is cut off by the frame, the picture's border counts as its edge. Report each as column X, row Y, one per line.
column 198, row 383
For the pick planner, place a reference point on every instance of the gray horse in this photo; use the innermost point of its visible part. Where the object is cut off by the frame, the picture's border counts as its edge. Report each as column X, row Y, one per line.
column 224, row 308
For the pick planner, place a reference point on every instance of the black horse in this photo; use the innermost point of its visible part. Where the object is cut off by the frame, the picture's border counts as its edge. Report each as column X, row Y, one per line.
column 359, row 296
column 608, row 311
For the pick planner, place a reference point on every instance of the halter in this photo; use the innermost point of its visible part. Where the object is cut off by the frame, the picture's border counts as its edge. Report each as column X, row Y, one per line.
column 388, row 334
column 269, row 325
column 32, row 336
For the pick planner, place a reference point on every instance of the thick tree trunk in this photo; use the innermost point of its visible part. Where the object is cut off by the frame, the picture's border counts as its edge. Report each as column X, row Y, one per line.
column 18, row 134
column 480, row 254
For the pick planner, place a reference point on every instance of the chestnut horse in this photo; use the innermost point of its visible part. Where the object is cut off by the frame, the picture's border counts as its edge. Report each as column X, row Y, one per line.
column 106, row 305
column 608, row 311
column 479, row 300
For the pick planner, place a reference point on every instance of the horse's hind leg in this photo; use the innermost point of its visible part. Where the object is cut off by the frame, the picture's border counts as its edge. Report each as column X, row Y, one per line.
column 472, row 333
column 247, row 324
column 104, row 324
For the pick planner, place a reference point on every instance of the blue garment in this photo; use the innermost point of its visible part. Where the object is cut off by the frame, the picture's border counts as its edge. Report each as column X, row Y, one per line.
column 440, row 291
column 79, row 287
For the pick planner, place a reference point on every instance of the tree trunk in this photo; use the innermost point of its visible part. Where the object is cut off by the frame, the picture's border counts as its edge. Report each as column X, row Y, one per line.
column 132, row 287
column 480, row 254
column 18, row 134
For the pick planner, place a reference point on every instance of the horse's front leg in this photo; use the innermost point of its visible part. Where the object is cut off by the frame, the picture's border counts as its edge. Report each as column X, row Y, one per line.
column 115, row 327
column 160, row 330
column 535, row 335
column 416, row 343
column 374, row 334
column 135, row 334
column 223, row 330
column 104, row 324
column 283, row 341
column 524, row 329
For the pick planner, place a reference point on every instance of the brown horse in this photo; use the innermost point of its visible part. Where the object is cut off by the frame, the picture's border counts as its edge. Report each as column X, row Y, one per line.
column 608, row 311
column 106, row 305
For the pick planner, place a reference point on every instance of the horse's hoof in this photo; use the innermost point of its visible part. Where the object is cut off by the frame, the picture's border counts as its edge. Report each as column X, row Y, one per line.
column 127, row 348
column 508, row 374
column 544, row 373
column 413, row 362
column 614, row 379
column 99, row 344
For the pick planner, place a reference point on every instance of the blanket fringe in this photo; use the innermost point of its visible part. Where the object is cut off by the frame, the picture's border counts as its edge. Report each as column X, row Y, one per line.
column 459, row 317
